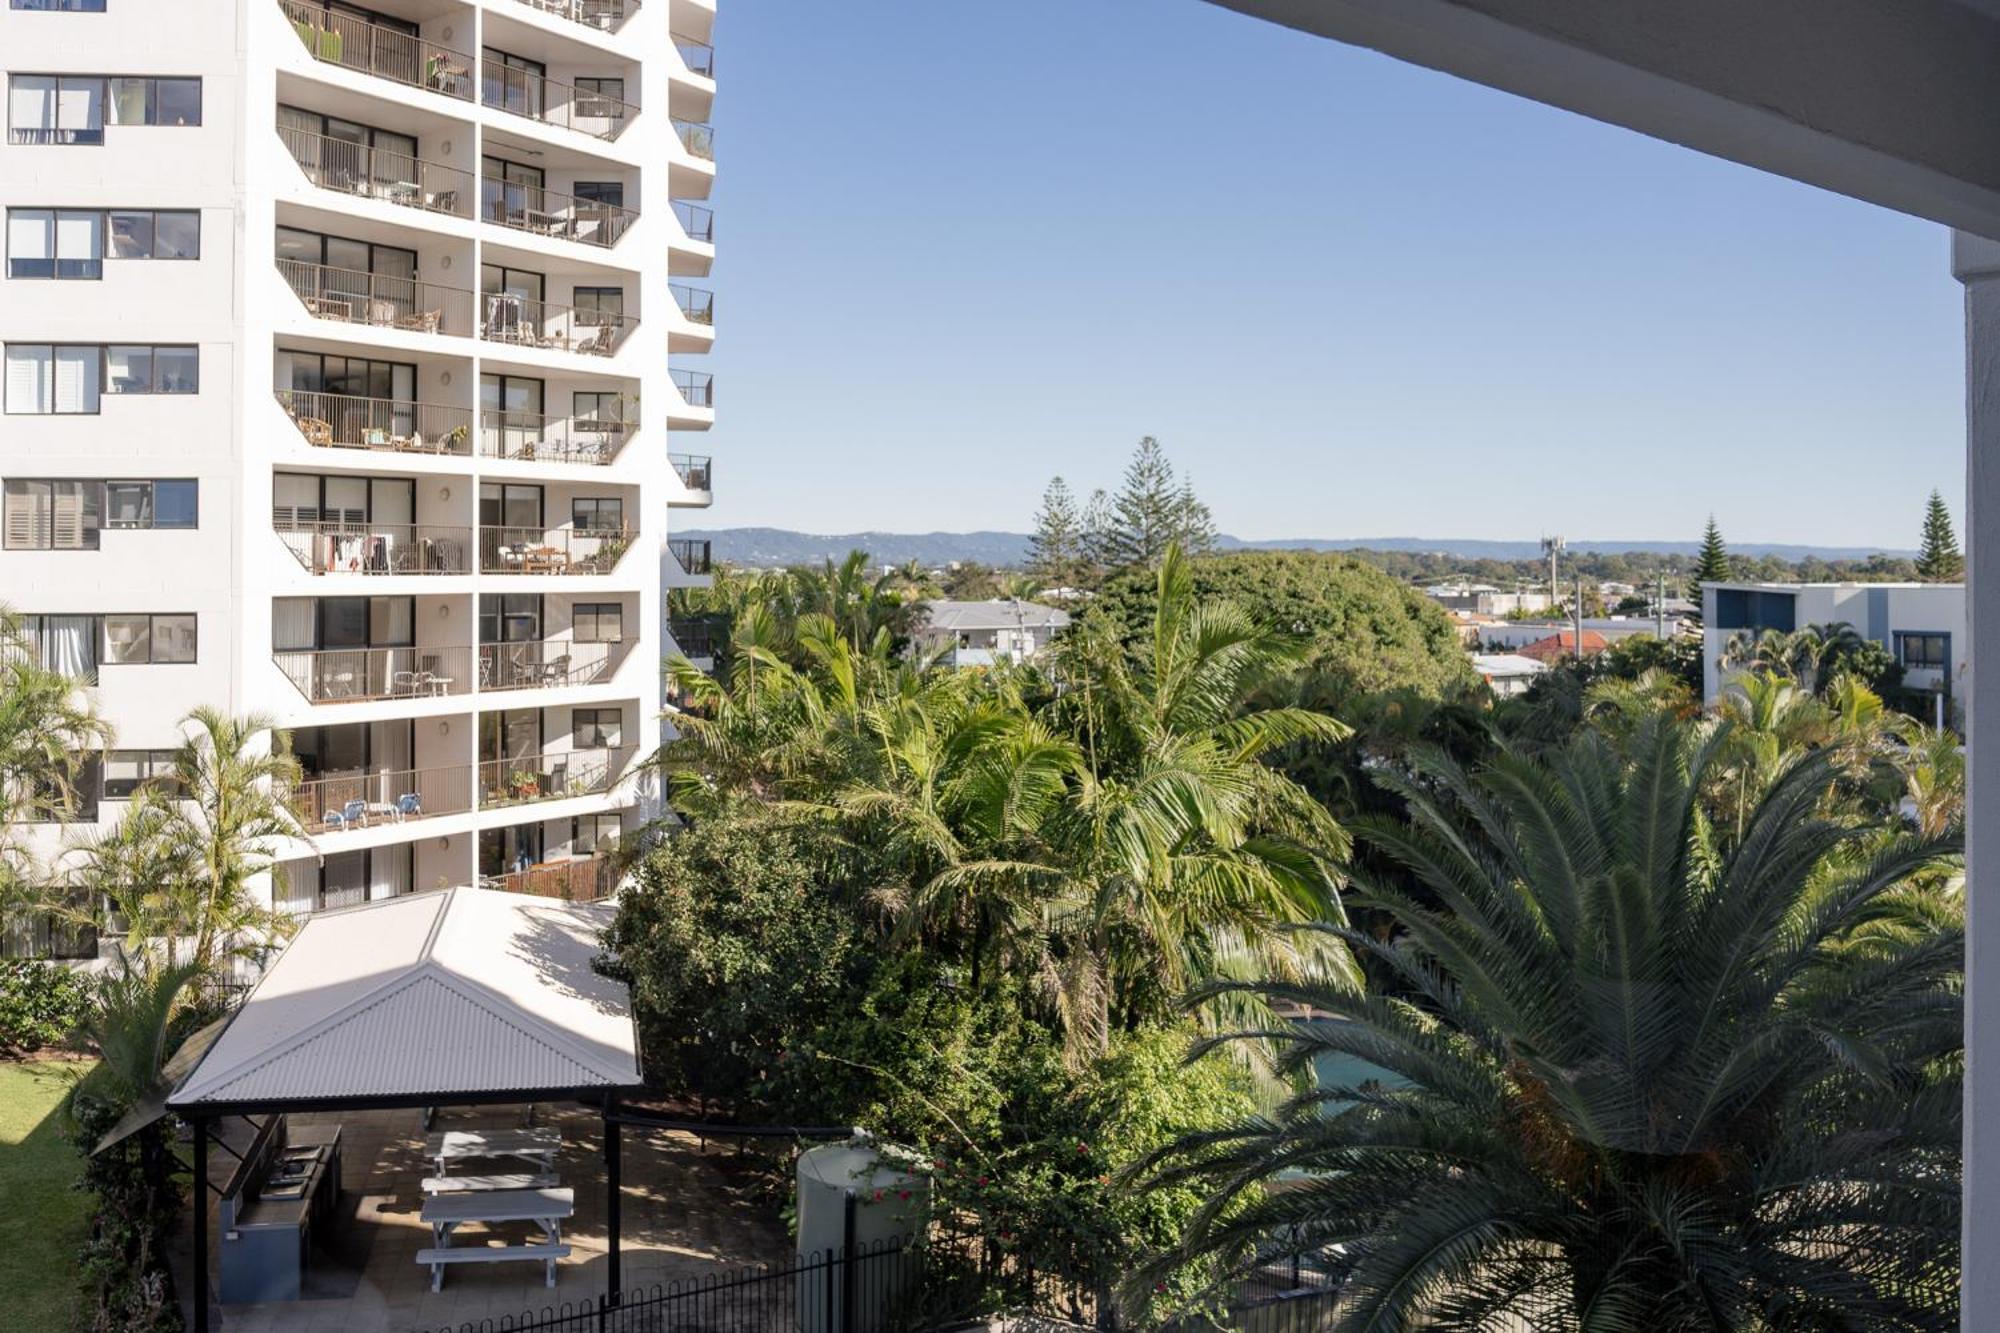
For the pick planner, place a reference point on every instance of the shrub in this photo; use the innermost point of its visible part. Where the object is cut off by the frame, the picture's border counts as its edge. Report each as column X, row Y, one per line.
column 41, row 1004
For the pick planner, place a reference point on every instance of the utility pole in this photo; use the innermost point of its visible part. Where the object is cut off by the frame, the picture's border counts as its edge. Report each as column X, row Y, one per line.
column 1579, row 617
column 1551, row 546
column 1660, row 608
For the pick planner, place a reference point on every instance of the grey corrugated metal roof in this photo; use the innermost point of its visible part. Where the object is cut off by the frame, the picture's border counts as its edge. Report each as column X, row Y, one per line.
column 1000, row 613
column 465, row 991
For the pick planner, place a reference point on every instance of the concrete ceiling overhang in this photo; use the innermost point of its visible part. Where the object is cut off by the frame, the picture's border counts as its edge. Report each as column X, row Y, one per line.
column 1893, row 101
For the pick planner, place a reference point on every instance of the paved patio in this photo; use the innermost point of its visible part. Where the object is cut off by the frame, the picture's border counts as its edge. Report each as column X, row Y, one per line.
column 688, row 1212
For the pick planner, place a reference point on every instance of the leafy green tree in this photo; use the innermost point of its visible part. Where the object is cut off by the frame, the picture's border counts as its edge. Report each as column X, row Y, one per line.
column 1152, row 511
column 1711, row 564
column 1938, row 558
column 1056, row 550
column 48, row 727
column 1644, row 1077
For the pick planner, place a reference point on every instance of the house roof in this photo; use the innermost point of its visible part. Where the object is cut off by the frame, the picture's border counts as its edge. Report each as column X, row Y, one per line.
column 1563, row 643
column 1490, row 665
column 440, row 995
column 1000, row 613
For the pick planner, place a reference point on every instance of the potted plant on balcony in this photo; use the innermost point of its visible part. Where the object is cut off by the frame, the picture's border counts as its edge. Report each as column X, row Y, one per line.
column 524, row 784
column 455, row 438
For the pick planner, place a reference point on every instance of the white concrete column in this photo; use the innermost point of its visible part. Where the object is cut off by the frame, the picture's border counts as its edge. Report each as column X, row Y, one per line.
column 1976, row 263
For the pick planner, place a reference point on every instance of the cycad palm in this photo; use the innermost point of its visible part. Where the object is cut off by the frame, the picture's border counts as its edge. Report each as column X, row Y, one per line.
column 1644, row 1081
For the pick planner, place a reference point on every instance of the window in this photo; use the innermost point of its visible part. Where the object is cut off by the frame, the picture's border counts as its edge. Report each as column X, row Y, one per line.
column 599, row 306
column 1924, row 652
column 139, row 638
column 598, row 411
column 55, row 243
column 512, row 83
column 65, row 644
column 53, row 515
column 140, row 368
column 595, row 833
column 126, row 770
column 604, row 98
column 152, row 504
column 75, row 108
column 510, row 617
column 60, row 6
column 596, row 728
column 599, row 622
column 151, row 101
column 609, row 193
column 597, row 514
column 44, row 379
column 138, row 233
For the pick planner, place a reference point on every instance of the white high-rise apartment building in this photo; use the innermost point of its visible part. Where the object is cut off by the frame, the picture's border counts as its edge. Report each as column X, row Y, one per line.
column 338, row 389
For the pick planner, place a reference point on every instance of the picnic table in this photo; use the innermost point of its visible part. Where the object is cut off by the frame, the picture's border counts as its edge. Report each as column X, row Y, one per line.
column 546, row 1208
column 534, row 1145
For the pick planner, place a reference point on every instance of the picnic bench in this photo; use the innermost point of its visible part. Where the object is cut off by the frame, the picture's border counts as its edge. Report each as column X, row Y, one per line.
column 535, row 1145
column 537, row 1180
column 445, row 1213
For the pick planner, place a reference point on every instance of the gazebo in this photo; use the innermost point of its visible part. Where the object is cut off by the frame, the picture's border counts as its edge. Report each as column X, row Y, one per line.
column 462, row 997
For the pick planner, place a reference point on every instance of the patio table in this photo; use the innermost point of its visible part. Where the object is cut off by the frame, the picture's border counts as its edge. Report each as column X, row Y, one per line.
column 546, row 1208
column 452, row 1145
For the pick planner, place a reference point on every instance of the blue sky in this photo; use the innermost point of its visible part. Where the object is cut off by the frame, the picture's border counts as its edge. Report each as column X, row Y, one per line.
column 965, row 247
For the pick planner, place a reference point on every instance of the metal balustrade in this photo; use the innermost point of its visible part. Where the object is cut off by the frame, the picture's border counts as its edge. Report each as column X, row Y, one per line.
column 697, row 138
column 699, row 57
column 548, row 664
column 697, row 305
column 506, row 318
column 697, row 386
column 694, row 470
column 693, row 555
column 376, row 173
column 345, row 421
column 604, row 15
column 511, row 550
column 354, row 675
column 342, row 802
column 697, row 222
column 551, row 775
column 532, row 437
column 388, row 53
column 376, row 548
column 545, row 212
column 383, row 300
column 548, row 101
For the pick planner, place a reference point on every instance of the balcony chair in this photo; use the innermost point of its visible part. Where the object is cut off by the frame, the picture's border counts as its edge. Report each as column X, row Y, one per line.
column 315, row 430
column 409, row 806
column 555, row 671
column 354, row 814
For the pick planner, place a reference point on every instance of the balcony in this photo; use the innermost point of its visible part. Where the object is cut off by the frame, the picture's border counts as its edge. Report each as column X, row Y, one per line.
column 581, row 880
column 698, row 139
column 537, row 97
column 695, row 638
column 696, row 221
column 549, row 664
column 343, row 421
column 564, row 217
column 372, row 173
column 603, row 15
column 347, row 801
column 699, row 57
column 532, row 438
column 357, row 675
column 354, row 43
column 520, row 322
column 377, row 548
column 693, row 555
column 551, row 775
column 695, row 470
column 349, row 296
column 551, row 550
column 697, row 306
column 697, row 386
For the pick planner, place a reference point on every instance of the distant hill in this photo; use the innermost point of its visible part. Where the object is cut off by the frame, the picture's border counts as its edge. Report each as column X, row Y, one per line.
column 771, row 547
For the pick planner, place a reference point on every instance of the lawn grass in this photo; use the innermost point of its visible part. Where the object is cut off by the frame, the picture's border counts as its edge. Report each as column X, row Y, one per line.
column 43, row 1221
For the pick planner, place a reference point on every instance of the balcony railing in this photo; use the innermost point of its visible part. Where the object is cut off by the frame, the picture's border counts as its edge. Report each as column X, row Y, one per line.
column 697, row 386
column 537, row 97
column 375, row 173
column 583, row 880
column 352, row 675
column 695, row 638
column 604, row 15
column 693, row 555
column 388, row 53
column 346, row 801
column 697, row 138
column 699, row 57
column 696, row 221
column 697, row 305
column 376, row 548
column 531, row 437
column 338, row 420
column 353, row 297
column 551, row 550
column 694, row 470
column 552, row 213
column 524, row 323
column 551, row 775
column 548, row 664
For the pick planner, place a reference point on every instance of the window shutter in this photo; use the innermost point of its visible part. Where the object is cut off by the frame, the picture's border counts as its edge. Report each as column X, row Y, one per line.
column 29, row 377
column 31, row 102
column 80, row 235
column 30, row 233
column 76, row 379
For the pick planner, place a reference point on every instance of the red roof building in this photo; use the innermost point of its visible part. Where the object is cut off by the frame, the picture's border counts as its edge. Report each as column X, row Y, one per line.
column 1563, row 644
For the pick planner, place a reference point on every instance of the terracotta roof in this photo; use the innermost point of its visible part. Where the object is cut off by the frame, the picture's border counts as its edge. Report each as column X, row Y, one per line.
column 1563, row 644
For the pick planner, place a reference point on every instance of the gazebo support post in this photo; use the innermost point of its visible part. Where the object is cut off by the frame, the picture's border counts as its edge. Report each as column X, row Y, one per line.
column 614, row 1193
column 200, row 1226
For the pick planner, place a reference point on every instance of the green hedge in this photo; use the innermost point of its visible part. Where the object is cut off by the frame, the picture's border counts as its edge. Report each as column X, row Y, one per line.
column 41, row 1004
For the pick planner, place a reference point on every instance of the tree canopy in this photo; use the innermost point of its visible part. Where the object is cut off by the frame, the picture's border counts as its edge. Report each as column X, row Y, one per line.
column 1939, row 560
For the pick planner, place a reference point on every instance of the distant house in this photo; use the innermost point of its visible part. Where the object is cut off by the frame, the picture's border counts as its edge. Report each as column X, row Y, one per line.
column 1483, row 599
column 982, row 633
column 1508, row 674
column 1562, row 644
column 1922, row 624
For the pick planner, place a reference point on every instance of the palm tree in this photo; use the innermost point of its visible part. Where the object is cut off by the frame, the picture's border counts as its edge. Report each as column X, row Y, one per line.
column 47, row 728
column 180, row 868
column 1637, row 1076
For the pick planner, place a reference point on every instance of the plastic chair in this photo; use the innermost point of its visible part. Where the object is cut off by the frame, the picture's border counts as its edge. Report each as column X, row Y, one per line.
column 353, row 814
column 409, row 806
